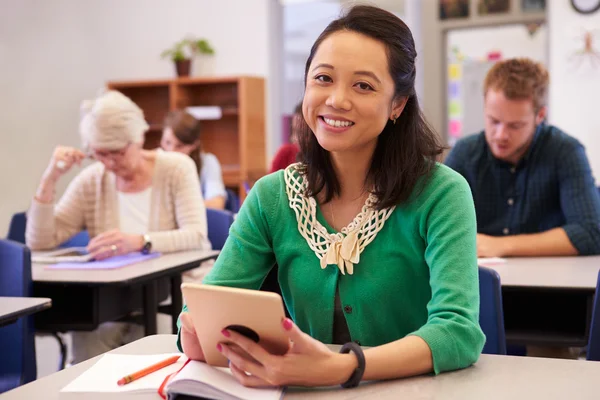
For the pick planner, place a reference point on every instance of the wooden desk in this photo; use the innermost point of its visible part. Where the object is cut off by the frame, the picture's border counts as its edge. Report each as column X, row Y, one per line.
column 13, row 308
column 548, row 301
column 84, row 299
column 493, row 377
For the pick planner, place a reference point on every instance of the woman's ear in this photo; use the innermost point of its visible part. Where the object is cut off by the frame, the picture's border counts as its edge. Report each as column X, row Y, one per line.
column 397, row 107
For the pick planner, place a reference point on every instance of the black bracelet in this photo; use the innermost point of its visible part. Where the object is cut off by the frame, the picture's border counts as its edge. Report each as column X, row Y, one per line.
column 358, row 373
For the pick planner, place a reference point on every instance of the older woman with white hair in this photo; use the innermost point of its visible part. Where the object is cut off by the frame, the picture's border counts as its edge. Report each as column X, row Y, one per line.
column 132, row 199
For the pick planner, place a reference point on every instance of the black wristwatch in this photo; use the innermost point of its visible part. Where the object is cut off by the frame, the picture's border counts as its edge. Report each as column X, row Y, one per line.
column 358, row 373
column 147, row 244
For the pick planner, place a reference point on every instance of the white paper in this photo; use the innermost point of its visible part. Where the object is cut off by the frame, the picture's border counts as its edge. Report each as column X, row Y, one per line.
column 103, row 376
column 490, row 261
column 205, row 112
column 221, row 379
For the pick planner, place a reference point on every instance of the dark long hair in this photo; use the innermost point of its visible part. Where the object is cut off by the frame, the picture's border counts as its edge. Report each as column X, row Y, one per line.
column 407, row 150
column 187, row 130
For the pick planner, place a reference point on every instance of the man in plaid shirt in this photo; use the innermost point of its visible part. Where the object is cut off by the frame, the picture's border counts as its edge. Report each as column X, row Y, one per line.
column 532, row 185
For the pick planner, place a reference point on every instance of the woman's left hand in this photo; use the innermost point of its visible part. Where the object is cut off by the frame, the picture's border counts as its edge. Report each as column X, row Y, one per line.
column 307, row 363
column 113, row 243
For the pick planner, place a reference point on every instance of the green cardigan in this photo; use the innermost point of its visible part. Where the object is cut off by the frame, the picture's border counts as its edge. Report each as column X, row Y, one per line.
column 418, row 277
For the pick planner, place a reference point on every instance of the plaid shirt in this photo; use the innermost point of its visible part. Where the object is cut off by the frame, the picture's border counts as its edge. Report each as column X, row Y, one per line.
column 551, row 186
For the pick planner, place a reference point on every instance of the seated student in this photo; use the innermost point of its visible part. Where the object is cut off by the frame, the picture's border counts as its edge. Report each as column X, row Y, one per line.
column 287, row 153
column 374, row 241
column 182, row 134
column 129, row 200
column 532, row 184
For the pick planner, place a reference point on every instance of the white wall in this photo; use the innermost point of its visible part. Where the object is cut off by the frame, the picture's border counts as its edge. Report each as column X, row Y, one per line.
column 574, row 81
column 55, row 54
column 510, row 40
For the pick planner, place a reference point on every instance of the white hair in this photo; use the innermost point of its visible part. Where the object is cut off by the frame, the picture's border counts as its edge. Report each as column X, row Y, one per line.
column 111, row 122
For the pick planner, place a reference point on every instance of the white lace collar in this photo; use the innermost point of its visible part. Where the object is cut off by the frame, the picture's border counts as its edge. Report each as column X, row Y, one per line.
column 342, row 248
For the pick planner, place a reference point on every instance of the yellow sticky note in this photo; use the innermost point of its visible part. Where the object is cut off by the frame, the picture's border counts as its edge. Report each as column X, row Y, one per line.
column 454, row 72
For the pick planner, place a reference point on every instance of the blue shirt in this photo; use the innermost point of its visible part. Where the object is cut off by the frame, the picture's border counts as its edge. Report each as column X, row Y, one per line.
column 211, row 178
column 552, row 186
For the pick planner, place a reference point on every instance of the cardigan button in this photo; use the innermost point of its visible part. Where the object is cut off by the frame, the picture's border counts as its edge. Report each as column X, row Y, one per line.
column 348, row 309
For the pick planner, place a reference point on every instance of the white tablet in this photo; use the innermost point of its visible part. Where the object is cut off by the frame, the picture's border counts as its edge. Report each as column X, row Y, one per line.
column 253, row 313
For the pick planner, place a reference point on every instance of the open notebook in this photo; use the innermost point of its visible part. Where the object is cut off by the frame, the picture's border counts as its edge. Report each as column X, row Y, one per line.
column 198, row 379
column 99, row 382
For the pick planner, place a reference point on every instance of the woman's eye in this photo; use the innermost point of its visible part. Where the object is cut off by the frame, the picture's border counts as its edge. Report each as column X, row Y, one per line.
column 364, row 86
column 323, row 78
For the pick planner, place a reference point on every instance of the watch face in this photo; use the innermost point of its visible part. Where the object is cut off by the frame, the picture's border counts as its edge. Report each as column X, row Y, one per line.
column 586, row 6
column 147, row 247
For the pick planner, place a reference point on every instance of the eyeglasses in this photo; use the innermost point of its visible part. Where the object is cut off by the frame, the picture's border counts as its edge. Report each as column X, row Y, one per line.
column 112, row 154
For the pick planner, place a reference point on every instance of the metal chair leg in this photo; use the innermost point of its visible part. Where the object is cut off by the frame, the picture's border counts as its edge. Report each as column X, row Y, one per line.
column 63, row 351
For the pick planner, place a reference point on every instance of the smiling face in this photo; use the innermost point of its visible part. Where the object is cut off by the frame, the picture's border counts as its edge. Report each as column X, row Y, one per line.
column 349, row 92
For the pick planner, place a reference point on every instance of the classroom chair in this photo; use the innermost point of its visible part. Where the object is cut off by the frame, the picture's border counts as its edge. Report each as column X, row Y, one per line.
column 218, row 222
column 593, row 350
column 16, row 232
column 232, row 203
column 491, row 316
column 17, row 340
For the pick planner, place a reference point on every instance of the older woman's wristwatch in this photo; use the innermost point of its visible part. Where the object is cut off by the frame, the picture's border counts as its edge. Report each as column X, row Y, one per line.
column 147, row 248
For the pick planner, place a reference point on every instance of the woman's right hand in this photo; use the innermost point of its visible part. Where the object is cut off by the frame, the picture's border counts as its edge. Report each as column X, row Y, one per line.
column 62, row 160
column 189, row 339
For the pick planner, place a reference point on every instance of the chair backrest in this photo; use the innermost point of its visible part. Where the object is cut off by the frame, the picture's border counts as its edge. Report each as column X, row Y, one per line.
column 233, row 201
column 593, row 351
column 16, row 229
column 16, row 233
column 17, row 340
column 491, row 315
column 79, row 240
column 218, row 222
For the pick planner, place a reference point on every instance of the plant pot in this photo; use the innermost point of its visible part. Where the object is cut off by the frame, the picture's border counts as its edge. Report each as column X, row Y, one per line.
column 204, row 65
column 183, row 67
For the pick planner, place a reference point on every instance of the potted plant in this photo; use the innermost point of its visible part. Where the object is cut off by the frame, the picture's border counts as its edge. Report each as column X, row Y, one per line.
column 182, row 53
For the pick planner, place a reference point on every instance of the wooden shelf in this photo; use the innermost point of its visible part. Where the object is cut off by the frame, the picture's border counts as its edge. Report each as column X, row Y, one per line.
column 231, row 174
column 237, row 138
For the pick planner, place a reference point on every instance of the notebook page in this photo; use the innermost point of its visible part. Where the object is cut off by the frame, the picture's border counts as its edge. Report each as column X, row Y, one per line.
column 102, row 377
column 221, row 379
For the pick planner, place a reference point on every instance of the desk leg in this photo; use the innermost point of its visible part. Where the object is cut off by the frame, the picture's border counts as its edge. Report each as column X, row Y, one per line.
column 150, row 308
column 176, row 300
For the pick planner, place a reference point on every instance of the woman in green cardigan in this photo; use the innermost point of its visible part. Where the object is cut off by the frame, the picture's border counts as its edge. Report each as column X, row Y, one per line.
column 375, row 241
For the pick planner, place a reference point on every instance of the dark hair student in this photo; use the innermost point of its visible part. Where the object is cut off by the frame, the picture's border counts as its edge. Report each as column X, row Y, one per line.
column 407, row 147
column 374, row 241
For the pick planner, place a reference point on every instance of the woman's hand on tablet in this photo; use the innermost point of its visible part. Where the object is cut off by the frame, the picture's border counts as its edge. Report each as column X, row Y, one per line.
column 307, row 363
column 189, row 339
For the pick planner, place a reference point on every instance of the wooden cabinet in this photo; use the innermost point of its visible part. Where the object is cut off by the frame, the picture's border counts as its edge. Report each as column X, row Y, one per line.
column 237, row 139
